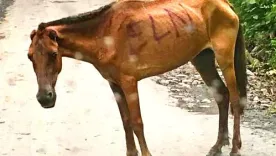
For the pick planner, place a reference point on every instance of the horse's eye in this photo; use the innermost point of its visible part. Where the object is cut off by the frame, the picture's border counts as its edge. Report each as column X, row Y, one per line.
column 54, row 54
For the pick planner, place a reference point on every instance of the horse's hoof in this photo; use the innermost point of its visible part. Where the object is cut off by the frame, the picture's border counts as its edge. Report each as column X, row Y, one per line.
column 235, row 154
column 132, row 153
column 214, row 152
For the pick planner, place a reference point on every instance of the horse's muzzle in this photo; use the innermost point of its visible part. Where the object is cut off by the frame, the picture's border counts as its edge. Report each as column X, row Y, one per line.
column 46, row 98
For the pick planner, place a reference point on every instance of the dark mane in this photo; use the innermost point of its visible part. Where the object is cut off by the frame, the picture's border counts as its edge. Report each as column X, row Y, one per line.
column 76, row 18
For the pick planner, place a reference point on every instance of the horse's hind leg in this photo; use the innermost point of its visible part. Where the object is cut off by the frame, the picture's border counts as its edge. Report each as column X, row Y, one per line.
column 223, row 42
column 123, row 108
column 223, row 30
column 226, row 63
column 205, row 65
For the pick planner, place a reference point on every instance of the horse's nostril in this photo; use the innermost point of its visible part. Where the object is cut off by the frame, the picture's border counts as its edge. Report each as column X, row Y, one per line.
column 50, row 94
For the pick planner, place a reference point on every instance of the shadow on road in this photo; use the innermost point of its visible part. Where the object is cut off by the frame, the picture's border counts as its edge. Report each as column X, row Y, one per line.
column 4, row 4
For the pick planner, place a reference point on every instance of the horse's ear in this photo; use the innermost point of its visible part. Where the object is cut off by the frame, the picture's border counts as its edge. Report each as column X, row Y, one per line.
column 32, row 34
column 53, row 35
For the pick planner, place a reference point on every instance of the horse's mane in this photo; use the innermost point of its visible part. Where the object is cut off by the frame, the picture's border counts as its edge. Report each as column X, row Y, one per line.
column 76, row 18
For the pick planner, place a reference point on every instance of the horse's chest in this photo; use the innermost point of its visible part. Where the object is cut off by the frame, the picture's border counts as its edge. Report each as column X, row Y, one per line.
column 109, row 73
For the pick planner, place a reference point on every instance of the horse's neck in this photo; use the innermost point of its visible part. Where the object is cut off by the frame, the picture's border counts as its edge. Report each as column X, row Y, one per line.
column 77, row 45
column 78, row 41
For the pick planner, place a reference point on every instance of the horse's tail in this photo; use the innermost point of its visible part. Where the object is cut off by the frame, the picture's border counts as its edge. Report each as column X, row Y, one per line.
column 240, row 67
column 240, row 64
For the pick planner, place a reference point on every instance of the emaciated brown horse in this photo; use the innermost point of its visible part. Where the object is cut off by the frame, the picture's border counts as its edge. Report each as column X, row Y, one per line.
column 131, row 40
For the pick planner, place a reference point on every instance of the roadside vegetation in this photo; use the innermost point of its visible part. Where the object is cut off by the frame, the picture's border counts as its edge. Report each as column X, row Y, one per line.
column 258, row 18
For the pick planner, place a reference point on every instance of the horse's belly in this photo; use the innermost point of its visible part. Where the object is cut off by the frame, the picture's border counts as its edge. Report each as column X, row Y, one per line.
column 156, row 63
column 157, row 58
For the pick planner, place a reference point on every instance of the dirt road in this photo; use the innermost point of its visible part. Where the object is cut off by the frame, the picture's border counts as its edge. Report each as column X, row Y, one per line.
column 86, row 119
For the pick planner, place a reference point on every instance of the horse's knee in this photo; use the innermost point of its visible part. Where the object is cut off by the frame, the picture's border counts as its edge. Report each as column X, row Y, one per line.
column 220, row 92
column 137, row 125
column 223, row 91
column 126, row 122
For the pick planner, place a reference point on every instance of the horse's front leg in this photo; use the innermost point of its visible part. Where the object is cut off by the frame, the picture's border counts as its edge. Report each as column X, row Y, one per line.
column 123, row 108
column 129, row 86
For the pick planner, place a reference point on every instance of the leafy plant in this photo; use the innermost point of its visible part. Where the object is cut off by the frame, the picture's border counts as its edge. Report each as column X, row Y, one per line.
column 258, row 17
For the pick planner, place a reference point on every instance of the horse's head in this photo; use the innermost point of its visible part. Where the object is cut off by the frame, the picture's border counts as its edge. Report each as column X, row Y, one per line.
column 47, row 63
